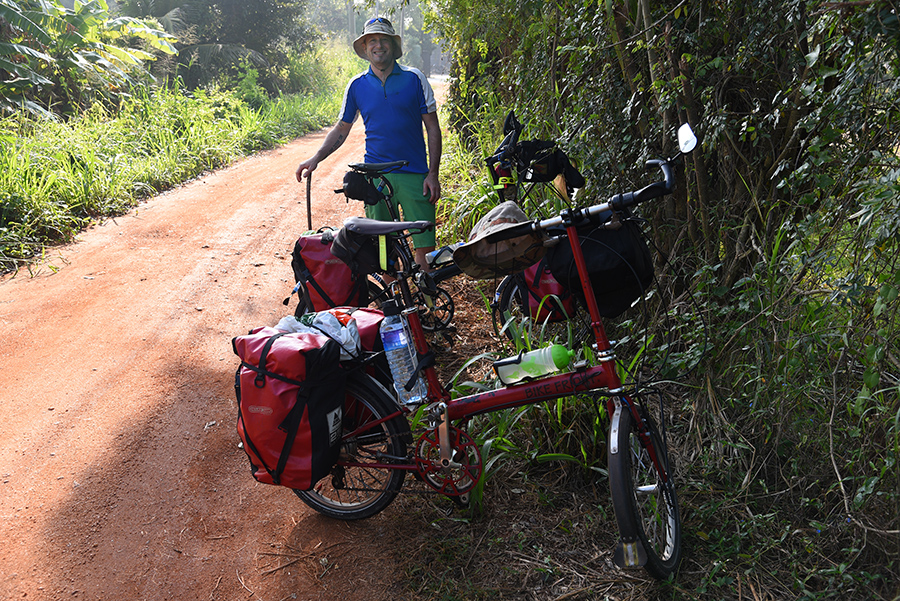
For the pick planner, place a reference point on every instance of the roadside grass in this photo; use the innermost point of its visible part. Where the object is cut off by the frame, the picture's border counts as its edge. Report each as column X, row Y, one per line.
column 57, row 177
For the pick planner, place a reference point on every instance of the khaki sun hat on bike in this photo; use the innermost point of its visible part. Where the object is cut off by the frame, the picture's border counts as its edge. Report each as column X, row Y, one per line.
column 377, row 25
column 484, row 260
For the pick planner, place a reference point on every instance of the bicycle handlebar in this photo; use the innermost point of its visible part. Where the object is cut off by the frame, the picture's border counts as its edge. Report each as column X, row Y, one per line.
column 616, row 203
column 505, row 151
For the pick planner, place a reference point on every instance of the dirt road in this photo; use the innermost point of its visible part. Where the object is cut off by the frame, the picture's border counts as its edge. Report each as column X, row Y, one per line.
column 120, row 472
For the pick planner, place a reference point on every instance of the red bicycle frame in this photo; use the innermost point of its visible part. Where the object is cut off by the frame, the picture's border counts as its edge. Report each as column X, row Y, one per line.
column 583, row 379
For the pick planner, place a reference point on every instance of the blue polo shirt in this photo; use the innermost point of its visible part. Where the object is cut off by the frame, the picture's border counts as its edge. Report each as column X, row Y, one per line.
column 392, row 114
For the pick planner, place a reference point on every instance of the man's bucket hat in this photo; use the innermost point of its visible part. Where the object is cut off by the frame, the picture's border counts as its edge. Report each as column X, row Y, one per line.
column 382, row 26
column 485, row 260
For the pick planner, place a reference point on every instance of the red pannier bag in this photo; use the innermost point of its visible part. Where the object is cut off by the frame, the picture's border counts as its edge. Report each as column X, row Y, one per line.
column 540, row 284
column 368, row 322
column 290, row 392
column 323, row 280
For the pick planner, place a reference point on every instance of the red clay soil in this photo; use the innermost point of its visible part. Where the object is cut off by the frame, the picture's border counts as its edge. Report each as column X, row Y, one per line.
column 120, row 471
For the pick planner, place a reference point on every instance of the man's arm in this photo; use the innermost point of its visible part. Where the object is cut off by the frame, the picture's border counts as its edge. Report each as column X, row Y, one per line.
column 432, row 186
column 332, row 142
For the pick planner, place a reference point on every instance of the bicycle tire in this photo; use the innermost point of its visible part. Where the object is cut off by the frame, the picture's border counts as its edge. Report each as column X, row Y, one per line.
column 355, row 493
column 378, row 292
column 645, row 504
column 511, row 317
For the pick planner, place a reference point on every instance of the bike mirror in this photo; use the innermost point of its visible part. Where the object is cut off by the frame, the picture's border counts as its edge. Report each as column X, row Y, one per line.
column 687, row 141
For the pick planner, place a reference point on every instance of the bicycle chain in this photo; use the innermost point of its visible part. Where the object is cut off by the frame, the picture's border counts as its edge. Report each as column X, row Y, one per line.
column 424, row 488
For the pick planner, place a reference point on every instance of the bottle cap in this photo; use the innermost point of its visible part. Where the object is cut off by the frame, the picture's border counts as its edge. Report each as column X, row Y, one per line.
column 561, row 355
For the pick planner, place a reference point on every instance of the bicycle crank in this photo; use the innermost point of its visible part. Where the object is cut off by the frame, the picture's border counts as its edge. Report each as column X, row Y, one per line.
column 453, row 477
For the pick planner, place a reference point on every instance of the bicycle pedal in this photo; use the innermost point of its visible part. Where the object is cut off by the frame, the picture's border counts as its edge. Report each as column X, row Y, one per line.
column 461, row 501
column 448, row 339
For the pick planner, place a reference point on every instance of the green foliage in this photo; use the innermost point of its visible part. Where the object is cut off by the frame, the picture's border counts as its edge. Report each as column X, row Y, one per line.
column 62, row 59
column 778, row 300
column 218, row 39
column 56, row 176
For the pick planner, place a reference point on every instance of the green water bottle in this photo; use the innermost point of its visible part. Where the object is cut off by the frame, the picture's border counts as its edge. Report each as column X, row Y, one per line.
column 533, row 364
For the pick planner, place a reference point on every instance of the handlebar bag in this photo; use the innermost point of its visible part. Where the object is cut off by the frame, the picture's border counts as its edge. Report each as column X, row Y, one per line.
column 544, row 161
column 325, row 281
column 290, row 393
column 540, row 284
column 618, row 261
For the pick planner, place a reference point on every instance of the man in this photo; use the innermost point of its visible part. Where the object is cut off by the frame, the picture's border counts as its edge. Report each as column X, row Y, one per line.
column 394, row 101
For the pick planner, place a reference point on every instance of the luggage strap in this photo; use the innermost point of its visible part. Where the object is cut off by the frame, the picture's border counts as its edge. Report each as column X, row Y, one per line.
column 261, row 371
column 355, row 291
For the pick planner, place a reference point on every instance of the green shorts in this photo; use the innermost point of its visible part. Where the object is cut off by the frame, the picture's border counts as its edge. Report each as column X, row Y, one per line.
column 414, row 206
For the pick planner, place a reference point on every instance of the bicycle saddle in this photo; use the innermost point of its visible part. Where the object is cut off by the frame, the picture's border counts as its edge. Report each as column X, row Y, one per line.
column 373, row 227
column 373, row 168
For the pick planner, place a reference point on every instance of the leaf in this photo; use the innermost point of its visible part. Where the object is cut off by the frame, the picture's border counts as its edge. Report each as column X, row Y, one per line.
column 813, row 56
column 547, row 457
column 871, row 377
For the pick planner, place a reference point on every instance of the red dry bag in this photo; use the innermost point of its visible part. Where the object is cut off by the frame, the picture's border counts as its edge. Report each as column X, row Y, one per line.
column 290, row 392
column 548, row 300
column 324, row 280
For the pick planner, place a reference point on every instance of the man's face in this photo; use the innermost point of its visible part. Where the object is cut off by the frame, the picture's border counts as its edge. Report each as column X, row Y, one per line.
column 379, row 50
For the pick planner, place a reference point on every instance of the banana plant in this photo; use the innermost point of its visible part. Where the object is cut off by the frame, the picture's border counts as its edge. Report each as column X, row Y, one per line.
column 53, row 55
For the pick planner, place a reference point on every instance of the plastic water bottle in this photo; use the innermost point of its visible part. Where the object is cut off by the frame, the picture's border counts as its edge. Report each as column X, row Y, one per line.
column 533, row 364
column 401, row 354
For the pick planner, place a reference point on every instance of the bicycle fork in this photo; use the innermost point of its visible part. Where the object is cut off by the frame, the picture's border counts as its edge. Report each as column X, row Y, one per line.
column 630, row 551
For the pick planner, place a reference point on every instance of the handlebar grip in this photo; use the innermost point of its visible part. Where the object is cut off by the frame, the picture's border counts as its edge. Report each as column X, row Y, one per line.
column 520, row 229
column 654, row 190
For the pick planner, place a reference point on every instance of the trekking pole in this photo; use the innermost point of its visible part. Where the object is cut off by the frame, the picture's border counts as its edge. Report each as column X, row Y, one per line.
column 308, row 201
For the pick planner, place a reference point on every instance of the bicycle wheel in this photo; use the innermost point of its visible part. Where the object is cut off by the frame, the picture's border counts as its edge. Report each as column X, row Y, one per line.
column 378, row 291
column 357, row 487
column 511, row 316
column 644, row 499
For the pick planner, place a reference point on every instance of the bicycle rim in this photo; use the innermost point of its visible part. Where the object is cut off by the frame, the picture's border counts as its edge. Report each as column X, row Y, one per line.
column 358, row 491
column 645, row 503
column 511, row 317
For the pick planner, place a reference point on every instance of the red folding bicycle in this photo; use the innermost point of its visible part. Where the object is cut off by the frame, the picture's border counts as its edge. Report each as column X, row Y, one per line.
column 378, row 449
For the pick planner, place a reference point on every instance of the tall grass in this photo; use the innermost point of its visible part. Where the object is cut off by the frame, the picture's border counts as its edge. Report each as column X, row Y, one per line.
column 55, row 177
column 785, row 433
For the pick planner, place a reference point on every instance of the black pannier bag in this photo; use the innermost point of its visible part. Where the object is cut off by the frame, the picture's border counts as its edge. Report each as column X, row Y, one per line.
column 618, row 262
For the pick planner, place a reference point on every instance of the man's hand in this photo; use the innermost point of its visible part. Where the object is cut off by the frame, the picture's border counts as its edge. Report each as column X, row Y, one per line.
column 432, row 188
column 307, row 167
